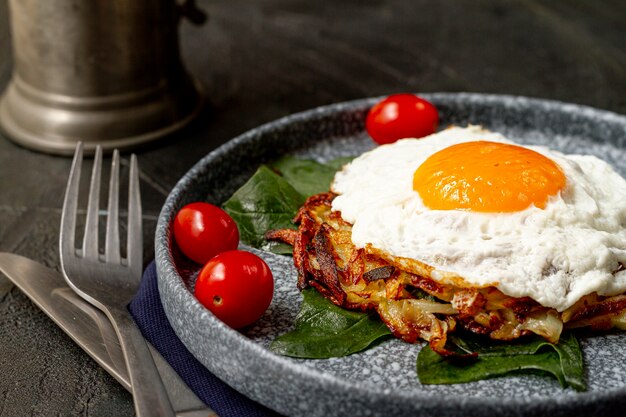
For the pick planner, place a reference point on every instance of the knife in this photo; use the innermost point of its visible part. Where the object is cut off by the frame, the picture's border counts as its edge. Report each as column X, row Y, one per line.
column 91, row 329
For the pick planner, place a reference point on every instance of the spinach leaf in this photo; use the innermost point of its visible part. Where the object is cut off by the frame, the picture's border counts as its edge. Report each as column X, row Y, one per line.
column 568, row 350
column 270, row 200
column 308, row 177
column 562, row 360
column 433, row 368
column 323, row 330
column 267, row 201
column 571, row 358
column 279, row 248
column 338, row 163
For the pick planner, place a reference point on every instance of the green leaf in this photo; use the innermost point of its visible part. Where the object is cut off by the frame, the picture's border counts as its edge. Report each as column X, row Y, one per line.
column 563, row 361
column 433, row 368
column 263, row 203
column 571, row 361
column 279, row 248
column 338, row 163
column 323, row 330
column 270, row 200
column 306, row 176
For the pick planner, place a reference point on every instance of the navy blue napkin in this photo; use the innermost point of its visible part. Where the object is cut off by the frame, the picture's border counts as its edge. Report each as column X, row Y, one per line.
column 148, row 313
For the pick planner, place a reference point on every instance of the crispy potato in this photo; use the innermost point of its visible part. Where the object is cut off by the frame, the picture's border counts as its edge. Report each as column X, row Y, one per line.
column 412, row 304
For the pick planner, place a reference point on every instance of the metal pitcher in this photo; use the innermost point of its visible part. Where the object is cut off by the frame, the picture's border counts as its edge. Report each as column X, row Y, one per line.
column 104, row 72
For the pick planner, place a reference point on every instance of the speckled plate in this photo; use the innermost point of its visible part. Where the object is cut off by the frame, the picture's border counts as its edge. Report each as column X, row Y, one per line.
column 381, row 381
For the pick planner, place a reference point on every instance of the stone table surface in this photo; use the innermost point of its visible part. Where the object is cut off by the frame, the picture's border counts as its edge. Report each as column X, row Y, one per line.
column 260, row 60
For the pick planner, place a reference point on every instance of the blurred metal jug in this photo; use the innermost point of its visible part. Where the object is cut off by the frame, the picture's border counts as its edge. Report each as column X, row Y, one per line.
column 104, row 72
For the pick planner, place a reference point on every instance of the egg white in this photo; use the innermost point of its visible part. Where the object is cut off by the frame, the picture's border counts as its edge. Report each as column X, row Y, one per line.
column 554, row 255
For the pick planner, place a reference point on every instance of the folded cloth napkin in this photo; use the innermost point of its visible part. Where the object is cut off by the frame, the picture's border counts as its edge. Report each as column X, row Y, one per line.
column 149, row 315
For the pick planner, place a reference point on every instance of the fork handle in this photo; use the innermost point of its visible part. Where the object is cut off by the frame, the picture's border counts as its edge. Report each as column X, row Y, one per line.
column 149, row 395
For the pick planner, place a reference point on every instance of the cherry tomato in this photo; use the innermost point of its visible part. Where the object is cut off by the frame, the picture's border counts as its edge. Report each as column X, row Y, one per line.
column 203, row 230
column 236, row 286
column 401, row 116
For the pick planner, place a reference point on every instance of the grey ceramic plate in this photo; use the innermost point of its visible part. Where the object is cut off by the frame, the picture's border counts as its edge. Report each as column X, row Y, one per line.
column 380, row 381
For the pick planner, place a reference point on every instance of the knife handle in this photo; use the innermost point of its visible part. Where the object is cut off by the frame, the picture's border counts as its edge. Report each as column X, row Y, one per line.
column 149, row 394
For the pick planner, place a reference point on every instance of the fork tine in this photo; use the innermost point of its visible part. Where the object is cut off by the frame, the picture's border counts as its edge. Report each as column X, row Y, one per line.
column 90, row 242
column 112, row 242
column 70, row 203
column 135, row 235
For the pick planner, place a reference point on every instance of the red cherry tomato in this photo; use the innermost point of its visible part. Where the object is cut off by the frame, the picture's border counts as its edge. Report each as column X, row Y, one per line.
column 401, row 116
column 203, row 230
column 236, row 286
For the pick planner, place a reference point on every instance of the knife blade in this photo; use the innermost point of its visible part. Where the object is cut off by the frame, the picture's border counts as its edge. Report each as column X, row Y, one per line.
column 91, row 329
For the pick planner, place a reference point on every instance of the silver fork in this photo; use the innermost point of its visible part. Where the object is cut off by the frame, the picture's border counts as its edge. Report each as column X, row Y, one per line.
column 109, row 281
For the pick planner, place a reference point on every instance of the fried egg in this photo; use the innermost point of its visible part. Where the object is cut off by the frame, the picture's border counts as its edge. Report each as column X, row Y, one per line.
column 477, row 207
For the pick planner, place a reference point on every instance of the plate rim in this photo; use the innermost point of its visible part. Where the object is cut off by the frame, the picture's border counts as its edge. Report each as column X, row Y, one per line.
column 568, row 399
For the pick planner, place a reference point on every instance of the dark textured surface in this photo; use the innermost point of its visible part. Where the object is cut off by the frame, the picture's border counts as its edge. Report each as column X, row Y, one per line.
column 265, row 59
column 380, row 381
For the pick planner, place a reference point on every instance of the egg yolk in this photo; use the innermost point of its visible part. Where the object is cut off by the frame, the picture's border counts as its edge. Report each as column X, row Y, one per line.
column 487, row 176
